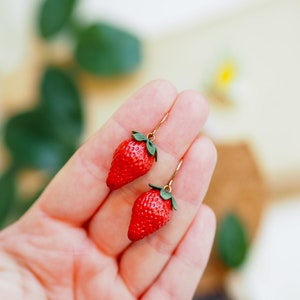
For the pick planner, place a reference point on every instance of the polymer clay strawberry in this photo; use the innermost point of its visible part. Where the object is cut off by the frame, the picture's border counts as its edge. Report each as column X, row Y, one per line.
column 151, row 211
column 132, row 159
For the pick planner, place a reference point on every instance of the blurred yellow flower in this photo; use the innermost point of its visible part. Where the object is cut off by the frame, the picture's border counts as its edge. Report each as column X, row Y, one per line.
column 224, row 76
column 222, row 82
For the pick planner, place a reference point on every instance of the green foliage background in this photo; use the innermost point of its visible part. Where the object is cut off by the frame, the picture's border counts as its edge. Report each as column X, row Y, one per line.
column 44, row 137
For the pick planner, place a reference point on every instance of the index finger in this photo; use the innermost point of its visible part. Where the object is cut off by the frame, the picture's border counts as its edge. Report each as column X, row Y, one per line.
column 79, row 189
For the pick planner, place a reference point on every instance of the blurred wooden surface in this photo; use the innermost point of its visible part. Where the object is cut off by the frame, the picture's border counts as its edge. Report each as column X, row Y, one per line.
column 237, row 185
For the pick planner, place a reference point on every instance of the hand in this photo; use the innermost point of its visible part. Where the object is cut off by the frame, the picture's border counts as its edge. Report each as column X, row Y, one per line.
column 72, row 243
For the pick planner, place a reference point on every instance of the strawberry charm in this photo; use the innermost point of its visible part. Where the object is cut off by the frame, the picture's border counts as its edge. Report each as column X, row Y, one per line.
column 133, row 158
column 152, row 210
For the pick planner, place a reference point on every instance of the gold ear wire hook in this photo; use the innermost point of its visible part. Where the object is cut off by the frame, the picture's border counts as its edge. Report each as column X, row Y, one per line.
column 168, row 187
column 151, row 135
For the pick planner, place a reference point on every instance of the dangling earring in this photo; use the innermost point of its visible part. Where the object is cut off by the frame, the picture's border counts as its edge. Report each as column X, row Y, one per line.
column 152, row 209
column 133, row 158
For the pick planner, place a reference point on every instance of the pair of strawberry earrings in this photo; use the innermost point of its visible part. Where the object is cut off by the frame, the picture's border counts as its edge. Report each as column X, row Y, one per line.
column 133, row 158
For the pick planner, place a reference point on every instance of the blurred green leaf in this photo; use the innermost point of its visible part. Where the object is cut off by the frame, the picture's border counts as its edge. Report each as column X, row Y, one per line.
column 32, row 142
column 7, row 194
column 54, row 15
column 45, row 137
column 232, row 243
column 61, row 99
column 105, row 50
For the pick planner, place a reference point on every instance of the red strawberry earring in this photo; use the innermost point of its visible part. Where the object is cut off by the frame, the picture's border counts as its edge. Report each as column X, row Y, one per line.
column 152, row 210
column 133, row 158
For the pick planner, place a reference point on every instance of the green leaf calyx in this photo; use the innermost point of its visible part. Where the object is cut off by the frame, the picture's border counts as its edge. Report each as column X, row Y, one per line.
column 137, row 136
column 165, row 195
column 151, row 147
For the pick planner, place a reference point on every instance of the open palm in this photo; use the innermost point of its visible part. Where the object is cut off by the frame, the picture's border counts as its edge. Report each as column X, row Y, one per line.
column 72, row 243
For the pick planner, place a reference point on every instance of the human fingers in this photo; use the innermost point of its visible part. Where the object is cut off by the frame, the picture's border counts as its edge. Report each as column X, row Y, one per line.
column 179, row 278
column 79, row 188
column 108, row 228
